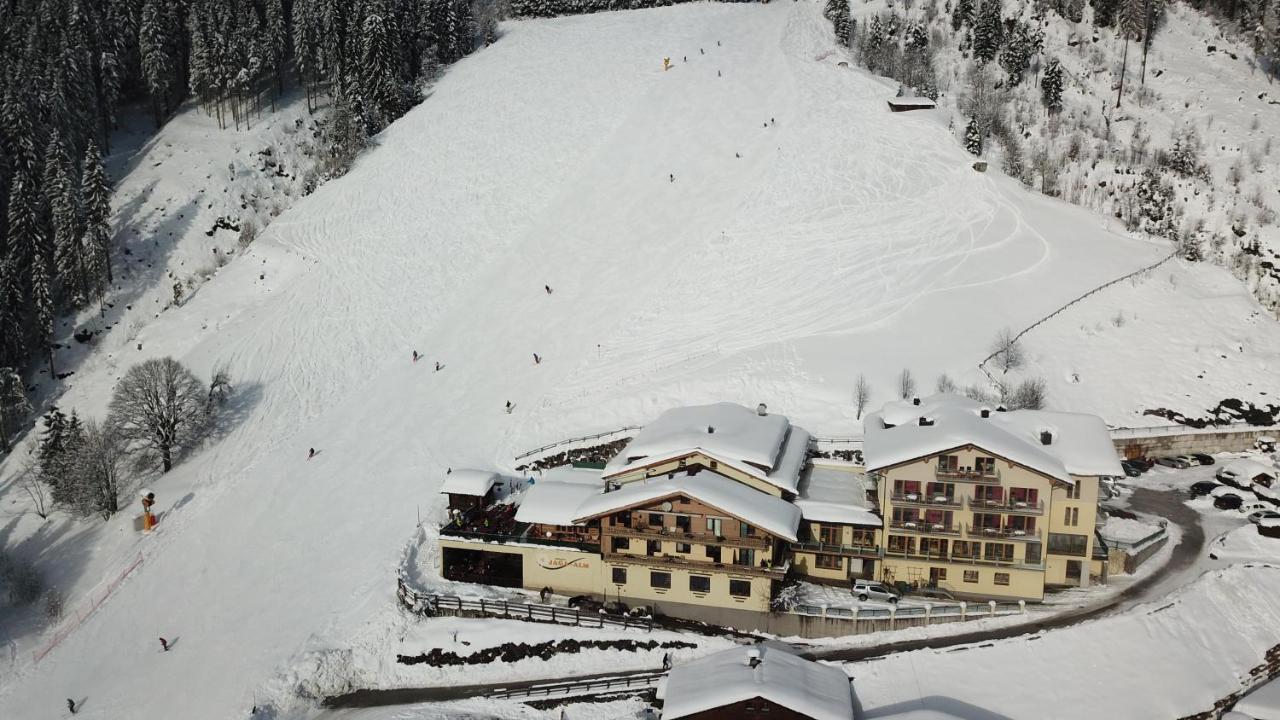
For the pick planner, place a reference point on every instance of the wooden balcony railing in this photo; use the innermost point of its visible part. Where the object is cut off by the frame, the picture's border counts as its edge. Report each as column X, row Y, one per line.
column 667, row 562
column 672, row 534
column 991, row 561
column 923, row 527
column 967, row 474
column 865, row 551
column 1002, row 533
column 1019, row 507
column 925, row 500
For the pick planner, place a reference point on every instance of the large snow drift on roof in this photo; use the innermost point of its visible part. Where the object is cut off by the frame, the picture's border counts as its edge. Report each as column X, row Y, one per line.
column 819, row 691
column 469, row 482
column 1080, row 443
column 739, row 434
column 554, row 503
column 837, row 495
column 760, row 509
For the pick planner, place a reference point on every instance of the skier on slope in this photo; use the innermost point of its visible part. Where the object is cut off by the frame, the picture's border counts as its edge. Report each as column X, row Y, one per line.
column 164, row 644
column 537, row 360
column 437, row 366
column 71, row 705
column 415, row 356
column 311, row 453
column 508, row 407
column 548, row 288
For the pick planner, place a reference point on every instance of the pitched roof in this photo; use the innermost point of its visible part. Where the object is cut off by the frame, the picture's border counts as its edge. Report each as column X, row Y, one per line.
column 551, row 502
column 822, row 692
column 469, row 482
column 1080, row 444
column 762, row 510
column 768, row 447
column 837, row 494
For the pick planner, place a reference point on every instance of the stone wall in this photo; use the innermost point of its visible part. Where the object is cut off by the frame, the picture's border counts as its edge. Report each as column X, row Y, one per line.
column 1200, row 441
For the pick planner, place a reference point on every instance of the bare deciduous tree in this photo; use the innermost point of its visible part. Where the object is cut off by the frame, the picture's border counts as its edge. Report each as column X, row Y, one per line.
column 29, row 481
column 1006, row 352
column 158, row 406
column 945, row 384
column 1029, row 395
column 101, row 484
column 13, row 404
column 906, row 384
column 861, row 394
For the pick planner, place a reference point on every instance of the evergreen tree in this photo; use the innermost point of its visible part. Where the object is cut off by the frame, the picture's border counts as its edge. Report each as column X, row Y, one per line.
column 1153, row 13
column 276, row 36
column 838, row 13
column 962, row 15
column 1051, row 87
column 380, row 91
column 62, row 191
column 987, row 31
column 1129, row 24
column 13, row 404
column 1104, row 12
column 95, row 194
column 973, row 139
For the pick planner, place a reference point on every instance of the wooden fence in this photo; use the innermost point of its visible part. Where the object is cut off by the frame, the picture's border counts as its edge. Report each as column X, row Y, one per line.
column 570, row 441
column 433, row 605
column 593, row 686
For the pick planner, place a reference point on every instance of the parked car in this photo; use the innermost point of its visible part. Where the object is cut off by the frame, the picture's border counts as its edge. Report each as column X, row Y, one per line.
column 866, row 590
column 936, row 593
column 1258, row 516
column 1204, row 487
column 586, row 603
column 1173, row 462
column 1227, row 501
column 1142, row 464
column 1130, row 469
column 1190, row 460
column 1203, row 459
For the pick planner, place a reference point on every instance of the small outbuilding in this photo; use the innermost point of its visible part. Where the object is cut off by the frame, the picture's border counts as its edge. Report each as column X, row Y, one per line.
column 470, row 489
column 905, row 104
column 762, row 682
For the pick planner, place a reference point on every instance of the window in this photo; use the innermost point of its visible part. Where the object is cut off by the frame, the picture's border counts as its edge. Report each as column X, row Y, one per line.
column 685, row 548
column 620, row 544
column 746, row 557
column 746, row 530
column 661, row 580
column 961, row 548
column 933, row 547
column 984, row 465
column 829, row 534
column 902, row 545
column 904, row 488
column 622, row 519
column 653, row 547
column 937, row 574
column 1033, row 554
column 1071, row 516
column 683, row 523
column 949, row 463
column 740, row 588
column 1073, row 491
column 714, row 526
column 971, row 576
column 998, row 552
column 989, row 495
column 904, row 516
column 655, row 519
column 713, row 553
column 829, row 562
column 699, row 584
column 1065, row 544
column 1002, row 578
column 619, row 576
column 936, row 490
column 864, row 538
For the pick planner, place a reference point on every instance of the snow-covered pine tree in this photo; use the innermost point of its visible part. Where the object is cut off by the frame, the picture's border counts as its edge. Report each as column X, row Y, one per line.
column 962, row 15
column 158, row 69
column 276, row 34
column 1129, row 24
column 14, row 405
column 95, row 198
column 987, row 31
column 382, row 97
column 51, row 450
column 62, row 190
column 1104, row 12
column 840, row 21
column 306, row 47
column 63, row 473
column 1154, row 14
column 1051, row 86
column 973, row 137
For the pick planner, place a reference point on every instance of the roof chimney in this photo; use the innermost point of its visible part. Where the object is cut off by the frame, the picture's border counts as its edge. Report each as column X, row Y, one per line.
column 753, row 657
column 711, row 429
column 915, row 401
column 762, row 410
column 1001, row 408
column 986, row 412
column 1046, row 437
column 925, row 422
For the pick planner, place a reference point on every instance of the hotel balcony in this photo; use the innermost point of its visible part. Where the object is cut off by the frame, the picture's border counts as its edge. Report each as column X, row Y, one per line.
column 990, row 561
column 673, row 534
column 861, row 551
column 921, row 527
column 1007, row 505
column 925, row 500
column 967, row 474
column 668, row 562
column 1005, row 533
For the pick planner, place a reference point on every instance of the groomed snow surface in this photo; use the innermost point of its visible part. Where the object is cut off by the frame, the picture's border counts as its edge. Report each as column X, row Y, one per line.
column 844, row 239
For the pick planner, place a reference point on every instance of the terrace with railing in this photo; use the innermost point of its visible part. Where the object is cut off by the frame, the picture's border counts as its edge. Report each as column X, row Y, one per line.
column 1005, row 505
column 867, row 550
column 497, row 524
column 1002, row 533
column 966, row 474
column 671, row 533
column 668, row 562
column 924, row 527
column 926, row 500
column 967, row 558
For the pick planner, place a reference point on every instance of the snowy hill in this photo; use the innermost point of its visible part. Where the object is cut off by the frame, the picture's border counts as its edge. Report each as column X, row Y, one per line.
column 844, row 239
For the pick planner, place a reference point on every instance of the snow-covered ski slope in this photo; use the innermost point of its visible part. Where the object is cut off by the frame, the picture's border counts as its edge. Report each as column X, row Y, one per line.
column 845, row 239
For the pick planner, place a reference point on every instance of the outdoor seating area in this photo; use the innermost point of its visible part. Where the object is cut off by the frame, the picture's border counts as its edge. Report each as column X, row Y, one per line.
column 498, row 521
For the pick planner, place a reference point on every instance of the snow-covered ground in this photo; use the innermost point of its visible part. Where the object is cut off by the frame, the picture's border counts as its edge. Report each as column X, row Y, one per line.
column 845, row 239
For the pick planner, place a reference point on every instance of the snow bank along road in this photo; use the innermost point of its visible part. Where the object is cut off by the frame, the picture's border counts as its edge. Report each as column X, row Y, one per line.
column 844, row 238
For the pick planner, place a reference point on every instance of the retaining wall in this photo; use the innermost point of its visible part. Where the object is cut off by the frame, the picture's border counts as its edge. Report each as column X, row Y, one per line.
column 1185, row 442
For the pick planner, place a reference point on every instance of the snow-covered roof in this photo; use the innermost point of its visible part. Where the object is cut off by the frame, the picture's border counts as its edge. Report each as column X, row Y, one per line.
column 912, row 102
column 1263, row 703
column 837, row 495
column 822, row 692
column 469, row 482
column 554, row 503
column 762, row 510
column 765, row 446
column 1247, row 468
column 1079, row 445
column 571, row 474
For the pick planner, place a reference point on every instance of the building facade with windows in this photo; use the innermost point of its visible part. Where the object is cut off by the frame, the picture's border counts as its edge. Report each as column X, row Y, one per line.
column 985, row 502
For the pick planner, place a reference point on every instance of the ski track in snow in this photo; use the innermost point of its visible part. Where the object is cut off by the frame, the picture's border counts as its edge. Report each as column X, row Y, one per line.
column 845, row 237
